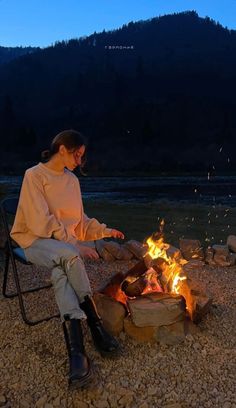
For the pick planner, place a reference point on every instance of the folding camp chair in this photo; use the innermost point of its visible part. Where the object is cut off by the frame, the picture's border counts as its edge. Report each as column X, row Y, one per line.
column 13, row 253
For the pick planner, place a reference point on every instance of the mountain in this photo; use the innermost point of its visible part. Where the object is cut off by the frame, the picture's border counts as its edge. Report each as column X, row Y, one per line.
column 8, row 54
column 152, row 95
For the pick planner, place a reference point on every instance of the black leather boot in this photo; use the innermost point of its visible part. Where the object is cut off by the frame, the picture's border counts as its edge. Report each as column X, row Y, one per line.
column 104, row 342
column 80, row 370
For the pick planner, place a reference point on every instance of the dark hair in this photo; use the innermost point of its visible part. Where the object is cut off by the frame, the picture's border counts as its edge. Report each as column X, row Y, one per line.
column 71, row 139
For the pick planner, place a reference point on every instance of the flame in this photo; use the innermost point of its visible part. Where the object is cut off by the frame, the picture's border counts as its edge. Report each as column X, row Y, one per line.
column 172, row 272
column 152, row 284
column 157, row 248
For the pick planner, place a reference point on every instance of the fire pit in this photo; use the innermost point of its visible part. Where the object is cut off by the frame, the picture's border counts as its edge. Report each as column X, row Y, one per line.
column 155, row 299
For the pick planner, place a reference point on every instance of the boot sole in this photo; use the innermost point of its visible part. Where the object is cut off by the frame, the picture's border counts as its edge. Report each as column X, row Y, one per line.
column 109, row 354
column 82, row 381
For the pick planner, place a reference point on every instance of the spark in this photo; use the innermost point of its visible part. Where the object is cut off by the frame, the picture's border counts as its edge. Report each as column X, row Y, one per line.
column 208, row 176
column 228, row 160
column 192, row 219
column 195, row 190
column 220, row 149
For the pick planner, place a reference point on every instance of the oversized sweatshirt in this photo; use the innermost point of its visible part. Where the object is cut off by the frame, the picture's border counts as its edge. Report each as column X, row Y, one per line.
column 50, row 206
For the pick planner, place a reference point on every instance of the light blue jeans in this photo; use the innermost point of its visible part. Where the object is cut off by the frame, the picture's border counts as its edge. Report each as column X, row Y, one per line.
column 69, row 277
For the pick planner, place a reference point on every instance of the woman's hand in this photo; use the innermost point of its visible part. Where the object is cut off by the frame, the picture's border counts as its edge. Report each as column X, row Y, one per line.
column 117, row 234
column 88, row 253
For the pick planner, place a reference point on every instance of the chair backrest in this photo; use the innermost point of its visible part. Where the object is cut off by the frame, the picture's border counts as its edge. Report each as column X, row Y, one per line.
column 8, row 208
column 9, row 205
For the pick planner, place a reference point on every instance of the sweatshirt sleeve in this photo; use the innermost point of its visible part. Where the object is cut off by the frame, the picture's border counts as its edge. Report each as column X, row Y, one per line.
column 35, row 210
column 90, row 229
column 93, row 230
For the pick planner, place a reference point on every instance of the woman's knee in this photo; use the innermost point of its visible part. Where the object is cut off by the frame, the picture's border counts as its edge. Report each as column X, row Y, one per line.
column 71, row 257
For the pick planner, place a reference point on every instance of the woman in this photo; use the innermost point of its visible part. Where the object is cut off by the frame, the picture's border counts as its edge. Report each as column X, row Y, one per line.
column 49, row 225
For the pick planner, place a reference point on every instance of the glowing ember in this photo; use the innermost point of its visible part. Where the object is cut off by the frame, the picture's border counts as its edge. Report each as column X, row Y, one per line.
column 152, row 284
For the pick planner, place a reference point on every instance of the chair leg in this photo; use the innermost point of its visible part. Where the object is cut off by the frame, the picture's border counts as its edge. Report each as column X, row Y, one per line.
column 19, row 293
column 4, row 285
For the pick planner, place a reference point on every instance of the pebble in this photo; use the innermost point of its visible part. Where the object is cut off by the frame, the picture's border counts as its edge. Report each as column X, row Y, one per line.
column 41, row 401
column 3, row 400
column 143, row 405
column 152, row 390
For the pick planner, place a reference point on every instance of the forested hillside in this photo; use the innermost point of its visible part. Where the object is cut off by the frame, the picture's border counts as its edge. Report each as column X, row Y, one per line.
column 153, row 95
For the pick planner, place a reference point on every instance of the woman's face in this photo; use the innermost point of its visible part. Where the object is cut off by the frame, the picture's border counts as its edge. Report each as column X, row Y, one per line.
column 73, row 159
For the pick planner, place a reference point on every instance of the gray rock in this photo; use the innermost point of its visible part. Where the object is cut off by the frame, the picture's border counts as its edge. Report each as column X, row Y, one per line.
column 102, row 251
column 231, row 242
column 156, row 309
column 221, row 249
column 221, row 255
column 145, row 334
column 111, row 311
column 222, row 260
column 118, row 251
column 137, row 248
column 209, row 255
column 172, row 334
column 191, row 249
column 232, row 258
column 41, row 401
column 174, row 253
column 3, row 400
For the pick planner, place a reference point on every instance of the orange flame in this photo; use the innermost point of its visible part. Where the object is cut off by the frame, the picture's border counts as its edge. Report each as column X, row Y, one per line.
column 152, row 284
column 172, row 272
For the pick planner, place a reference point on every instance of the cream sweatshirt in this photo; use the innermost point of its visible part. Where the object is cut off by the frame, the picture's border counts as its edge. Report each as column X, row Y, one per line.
column 50, row 206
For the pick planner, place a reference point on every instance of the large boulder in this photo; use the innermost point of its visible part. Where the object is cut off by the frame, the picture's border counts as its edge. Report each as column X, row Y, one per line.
column 156, row 309
column 140, row 334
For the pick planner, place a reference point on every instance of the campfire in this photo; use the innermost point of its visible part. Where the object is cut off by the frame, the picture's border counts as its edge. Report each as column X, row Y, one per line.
column 157, row 292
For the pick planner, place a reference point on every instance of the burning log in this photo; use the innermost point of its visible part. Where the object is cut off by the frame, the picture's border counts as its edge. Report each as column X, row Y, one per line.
column 114, row 287
column 148, row 282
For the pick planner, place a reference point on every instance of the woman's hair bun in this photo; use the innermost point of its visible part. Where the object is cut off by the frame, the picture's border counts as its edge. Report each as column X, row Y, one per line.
column 45, row 155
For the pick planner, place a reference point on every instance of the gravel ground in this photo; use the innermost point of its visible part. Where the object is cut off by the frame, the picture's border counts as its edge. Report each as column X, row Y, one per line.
column 200, row 372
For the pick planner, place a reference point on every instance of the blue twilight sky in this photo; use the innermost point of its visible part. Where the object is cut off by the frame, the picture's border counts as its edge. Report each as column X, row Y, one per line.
column 42, row 22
